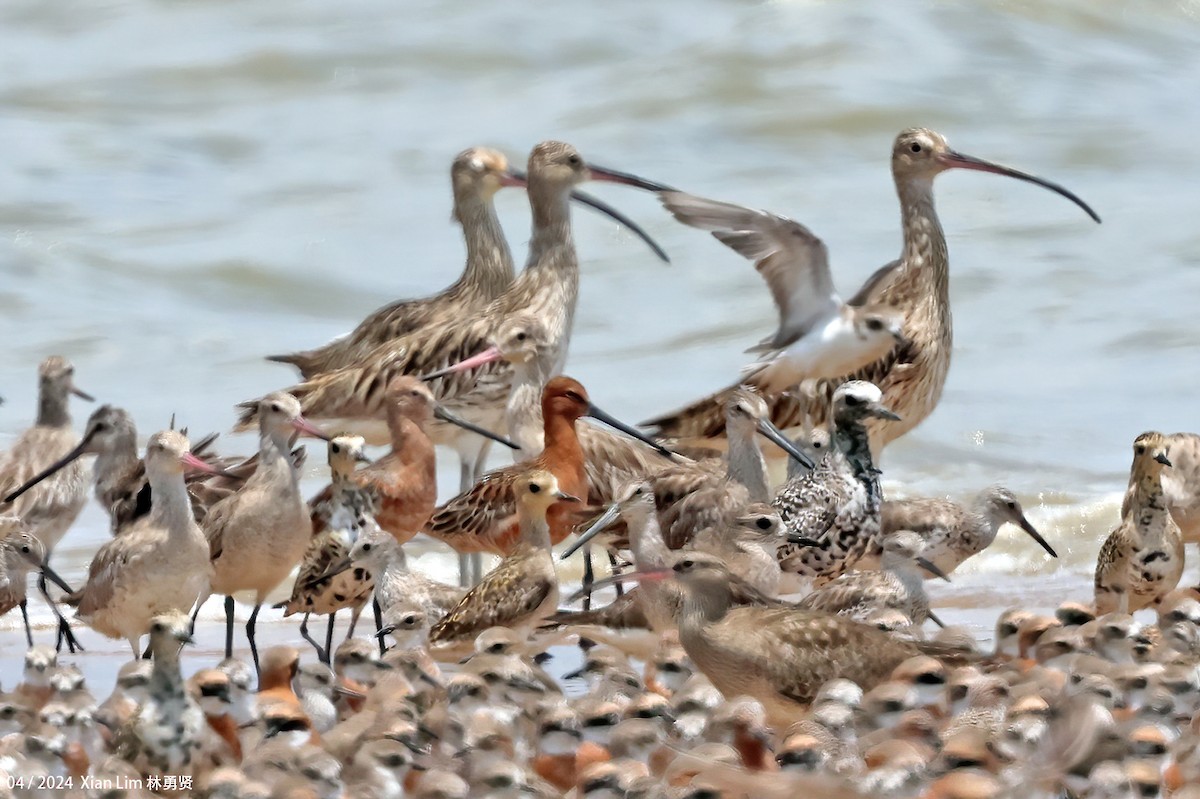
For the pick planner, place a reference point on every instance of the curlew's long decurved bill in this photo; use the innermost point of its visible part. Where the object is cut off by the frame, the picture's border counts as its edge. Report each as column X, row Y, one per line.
column 632, row 432
column 776, row 437
column 515, row 177
column 956, row 160
column 1032, row 532
column 80, row 450
column 446, row 416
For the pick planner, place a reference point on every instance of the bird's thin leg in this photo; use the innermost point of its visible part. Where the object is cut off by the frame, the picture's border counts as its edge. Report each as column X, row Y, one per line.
column 589, row 577
column 615, row 566
column 378, row 611
column 25, row 618
column 64, row 627
column 304, row 634
column 228, row 627
column 329, row 638
column 250, row 637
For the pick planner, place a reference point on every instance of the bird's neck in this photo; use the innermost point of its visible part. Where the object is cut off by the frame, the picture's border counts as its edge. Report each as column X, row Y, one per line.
column 166, row 677
column 523, row 414
column 170, row 506
column 650, row 551
column 409, row 442
column 117, row 459
column 551, row 227
column 925, row 257
column 705, row 604
column 535, row 530
column 746, row 465
column 489, row 261
column 854, row 443
column 52, row 409
column 1148, row 506
column 561, row 438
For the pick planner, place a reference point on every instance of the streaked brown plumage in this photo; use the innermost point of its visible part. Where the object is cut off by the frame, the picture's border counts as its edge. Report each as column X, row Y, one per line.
column 475, row 175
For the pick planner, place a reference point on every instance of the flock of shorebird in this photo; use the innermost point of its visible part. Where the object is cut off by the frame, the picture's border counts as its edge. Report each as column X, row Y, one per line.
column 772, row 644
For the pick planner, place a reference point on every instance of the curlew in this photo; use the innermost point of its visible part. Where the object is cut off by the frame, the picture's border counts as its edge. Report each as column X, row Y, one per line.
column 1141, row 561
column 523, row 590
column 258, row 535
column 912, row 375
column 159, row 564
column 953, row 532
column 351, row 399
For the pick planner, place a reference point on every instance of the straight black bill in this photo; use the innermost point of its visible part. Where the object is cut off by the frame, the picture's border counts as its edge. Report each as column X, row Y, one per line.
column 447, row 416
column 776, row 437
column 617, row 424
column 80, row 450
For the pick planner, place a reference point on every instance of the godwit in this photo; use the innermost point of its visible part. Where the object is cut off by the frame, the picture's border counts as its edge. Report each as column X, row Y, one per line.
column 819, row 335
column 20, row 553
column 483, row 519
column 157, row 565
column 837, row 503
column 167, row 731
column 119, row 475
column 351, row 399
column 51, row 507
column 779, row 656
column 344, row 510
column 911, row 376
column 258, row 535
column 523, row 590
column 953, row 532
column 1141, row 561
column 898, row 585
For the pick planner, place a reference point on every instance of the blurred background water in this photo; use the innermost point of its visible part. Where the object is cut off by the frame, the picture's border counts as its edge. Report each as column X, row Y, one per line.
column 189, row 185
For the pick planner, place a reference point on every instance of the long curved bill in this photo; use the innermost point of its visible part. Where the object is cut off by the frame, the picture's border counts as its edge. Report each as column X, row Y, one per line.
column 957, row 160
column 53, row 577
column 773, row 434
column 622, row 220
column 80, row 450
column 490, row 355
column 1036, row 536
column 605, row 521
column 445, row 415
column 932, row 568
column 617, row 424
column 515, row 177
column 606, row 175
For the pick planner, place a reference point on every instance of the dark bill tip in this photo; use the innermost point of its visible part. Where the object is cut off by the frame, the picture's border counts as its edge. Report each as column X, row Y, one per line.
column 620, row 218
column 958, row 160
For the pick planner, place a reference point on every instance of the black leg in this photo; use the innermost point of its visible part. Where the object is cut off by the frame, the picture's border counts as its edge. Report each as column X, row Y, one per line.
column 378, row 611
column 147, row 654
column 228, row 627
column 250, row 637
column 64, row 627
column 589, row 577
column 195, row 615
column 329, row 639
column 304, row 634
column 25, row 618
column 614, row 565
column 353, row 622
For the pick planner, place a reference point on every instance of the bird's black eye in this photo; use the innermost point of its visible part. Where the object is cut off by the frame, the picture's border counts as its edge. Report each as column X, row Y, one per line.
column 25, row 548
column 763, row 523
column 534, row 488
column 275, row 407
column 853, row 400
column 522, row 336
column 1139, row 449
column 335, row 448
column 410, row 620
column 1012, row 504
column 366, row 547
column 915, row 147
column 874, row 324
column 574, row 160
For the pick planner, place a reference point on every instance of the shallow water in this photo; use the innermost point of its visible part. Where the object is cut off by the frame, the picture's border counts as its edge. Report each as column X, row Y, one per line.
column 192, row 185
